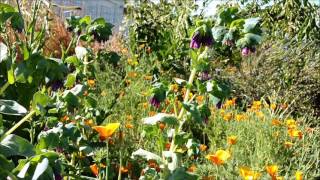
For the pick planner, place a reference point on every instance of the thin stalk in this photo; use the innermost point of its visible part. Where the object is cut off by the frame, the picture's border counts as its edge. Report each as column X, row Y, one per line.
column 4, row 87
column 186, row 98
column 120, row 166
column 107, row 161
column 28, row 116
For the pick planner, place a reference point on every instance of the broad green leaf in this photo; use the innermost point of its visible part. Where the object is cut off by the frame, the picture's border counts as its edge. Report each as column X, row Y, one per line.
column 13, row 145
column 10, row 107
column 41, row 168
column 194, row 111
column 86, row 20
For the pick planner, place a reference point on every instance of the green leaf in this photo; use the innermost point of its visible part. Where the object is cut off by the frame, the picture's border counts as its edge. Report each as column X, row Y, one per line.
column 10, row 107
column 40, row 101
column 218, row 33
column 86, row 20
column 193, row 110
column 71, row 80
column 11, row 78
column 72, row 60
column 13, row 145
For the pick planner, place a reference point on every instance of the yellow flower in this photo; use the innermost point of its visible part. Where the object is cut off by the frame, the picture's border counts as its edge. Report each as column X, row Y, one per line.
column 103, row 93
column 132, row 74
column 129, row 117
column 279, row 178
column 219, row 157
column 295, row 133
column 230, row 102
column 89, row 122
column 232, row 140
column 247, row 174
column 174, row 87
column 276, row 122
column 203, row 147
column 200, row 99
column 273, row 106
column 288, row 144
column 148, row 78
column 106, row 131
column 227, row 117
column 272, row 170
column 299, row 175
column 260, row 114
column 240, row 117
column 91, row 82
column 256, row 105
column 291, row 124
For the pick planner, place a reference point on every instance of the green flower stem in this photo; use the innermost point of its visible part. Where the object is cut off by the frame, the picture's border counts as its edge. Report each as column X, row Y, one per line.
column 85, row 66
column 119, row 175
column 186, row 98
column 107, row 161
column 4, row 87
column 28, row 116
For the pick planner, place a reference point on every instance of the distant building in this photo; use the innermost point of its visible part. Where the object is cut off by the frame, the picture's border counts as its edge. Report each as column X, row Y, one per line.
column 111, row 10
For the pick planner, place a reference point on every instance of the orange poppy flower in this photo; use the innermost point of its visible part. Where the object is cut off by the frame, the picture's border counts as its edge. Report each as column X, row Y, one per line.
column 219, row 157
column 106, row 131
column 247, row 174
column 273, row 106
column 124, row 170
column 272, row 170
column 94, row 169
column 162, row 126
column 232, row 140
column 148, row 78
column 240, row 117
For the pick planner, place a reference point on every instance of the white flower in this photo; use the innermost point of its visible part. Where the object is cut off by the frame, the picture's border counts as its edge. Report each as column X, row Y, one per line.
column 81, row 52
column 146, row 154
column 3, row 52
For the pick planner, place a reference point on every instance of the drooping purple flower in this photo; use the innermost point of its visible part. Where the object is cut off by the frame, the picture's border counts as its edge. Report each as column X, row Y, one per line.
column 57, row 176
column 201, row 39
column 155, row 102
column 245, row 51
column 205, row 76
column 196, row 40
column 56, row 85
column 219, row 105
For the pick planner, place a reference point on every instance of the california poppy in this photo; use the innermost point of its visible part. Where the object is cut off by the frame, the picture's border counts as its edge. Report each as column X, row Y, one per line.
column 106, row 131
column 248, row 174
column 219, row 157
